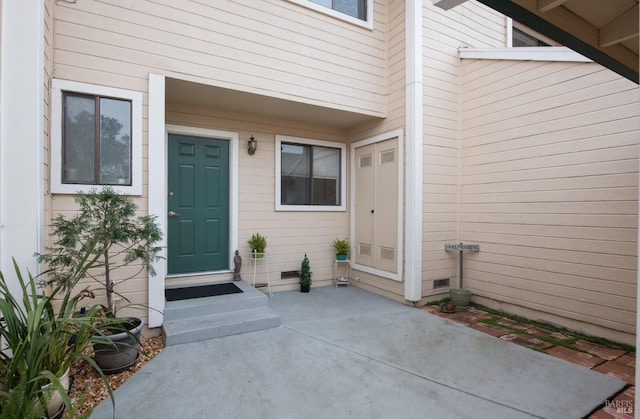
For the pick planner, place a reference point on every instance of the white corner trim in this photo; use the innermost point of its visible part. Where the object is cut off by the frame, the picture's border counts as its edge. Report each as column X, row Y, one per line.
column 157, row 193
column 22, row 140
column 343, row 174
column 58, row 86
column 414, row 133
column 398, row 276
column 524, row 54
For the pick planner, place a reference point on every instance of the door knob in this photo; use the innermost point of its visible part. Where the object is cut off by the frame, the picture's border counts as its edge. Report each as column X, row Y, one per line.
column 172, row 214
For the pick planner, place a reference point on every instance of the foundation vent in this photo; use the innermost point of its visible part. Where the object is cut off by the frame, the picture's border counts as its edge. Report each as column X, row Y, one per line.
column 289, row 274
column 441, row 283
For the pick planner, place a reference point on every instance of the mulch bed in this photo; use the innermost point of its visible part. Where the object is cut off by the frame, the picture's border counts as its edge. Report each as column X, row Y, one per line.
column 87, row 387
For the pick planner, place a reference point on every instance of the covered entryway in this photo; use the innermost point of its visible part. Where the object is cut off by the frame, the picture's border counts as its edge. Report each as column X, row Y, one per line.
column 198, row 203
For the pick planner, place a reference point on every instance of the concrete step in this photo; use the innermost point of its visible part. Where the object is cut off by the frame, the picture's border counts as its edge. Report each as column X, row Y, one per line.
column 248, row 298
column 205, row 318
column 218, row 325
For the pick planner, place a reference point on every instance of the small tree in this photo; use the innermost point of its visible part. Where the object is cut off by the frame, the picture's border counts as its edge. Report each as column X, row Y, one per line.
column 305, row 272
column 106, row 232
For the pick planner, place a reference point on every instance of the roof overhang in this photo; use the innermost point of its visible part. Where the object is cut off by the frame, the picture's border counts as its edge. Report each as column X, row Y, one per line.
column 604, row 31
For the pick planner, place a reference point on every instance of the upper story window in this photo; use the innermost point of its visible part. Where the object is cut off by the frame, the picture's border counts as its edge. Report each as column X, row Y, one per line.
column 310, row 175
column 96, row 138
column 523, row 36
column 358, row 12
column 523, row 39
column 355, row 8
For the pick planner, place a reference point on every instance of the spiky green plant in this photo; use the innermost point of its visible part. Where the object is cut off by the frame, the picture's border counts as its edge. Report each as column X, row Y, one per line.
column 44, row 337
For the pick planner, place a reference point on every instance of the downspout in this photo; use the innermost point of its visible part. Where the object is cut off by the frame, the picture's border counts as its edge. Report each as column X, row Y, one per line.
column 414, row 172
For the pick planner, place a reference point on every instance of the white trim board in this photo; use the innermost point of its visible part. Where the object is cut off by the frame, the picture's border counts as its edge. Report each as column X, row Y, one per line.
column 22, row 138
column 524, row 54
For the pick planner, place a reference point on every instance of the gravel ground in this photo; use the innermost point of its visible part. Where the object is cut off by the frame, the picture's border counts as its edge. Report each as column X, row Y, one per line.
column 87, row 387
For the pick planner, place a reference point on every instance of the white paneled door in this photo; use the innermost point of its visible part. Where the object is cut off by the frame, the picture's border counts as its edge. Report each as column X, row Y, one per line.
column 376, row 205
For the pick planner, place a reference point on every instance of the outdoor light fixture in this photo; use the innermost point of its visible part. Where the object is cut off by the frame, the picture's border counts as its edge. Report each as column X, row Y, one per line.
column 253, row 145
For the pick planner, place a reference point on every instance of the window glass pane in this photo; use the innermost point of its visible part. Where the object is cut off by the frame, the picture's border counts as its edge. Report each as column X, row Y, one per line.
column 79, row 135
column 353, row 8
column 326, row 176
column 295, row 174
column 523, row 39
column 115, row 142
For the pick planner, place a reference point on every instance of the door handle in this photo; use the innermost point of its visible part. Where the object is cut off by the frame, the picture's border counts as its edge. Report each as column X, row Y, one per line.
column 172, row 214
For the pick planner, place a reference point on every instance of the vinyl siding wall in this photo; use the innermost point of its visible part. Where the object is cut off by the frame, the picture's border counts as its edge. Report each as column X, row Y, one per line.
column 470, row 24
column 272, row 47
column 549, row 190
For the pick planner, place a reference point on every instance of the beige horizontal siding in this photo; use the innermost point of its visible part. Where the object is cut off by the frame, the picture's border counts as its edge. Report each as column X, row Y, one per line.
column 271, row 47
column 549, row 190
column 470, row 24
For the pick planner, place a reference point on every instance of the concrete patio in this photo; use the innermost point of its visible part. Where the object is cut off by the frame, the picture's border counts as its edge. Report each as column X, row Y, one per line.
column 348, row 353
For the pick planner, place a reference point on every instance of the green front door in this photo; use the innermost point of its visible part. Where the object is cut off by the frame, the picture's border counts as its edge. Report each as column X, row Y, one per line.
column 198, row 204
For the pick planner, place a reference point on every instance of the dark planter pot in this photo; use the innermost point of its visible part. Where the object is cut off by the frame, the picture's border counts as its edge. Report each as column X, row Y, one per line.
column 305, row 288
column 341, row 256
column 119, row 351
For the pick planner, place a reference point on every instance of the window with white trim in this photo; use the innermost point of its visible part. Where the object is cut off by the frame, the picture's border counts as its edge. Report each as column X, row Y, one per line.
column 96, row 138
column 354, row 8
column 310, row 175
column 523, row 36
column 358, row 12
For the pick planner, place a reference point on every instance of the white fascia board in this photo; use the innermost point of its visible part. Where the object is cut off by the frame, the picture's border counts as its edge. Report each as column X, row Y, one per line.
column 524, row 54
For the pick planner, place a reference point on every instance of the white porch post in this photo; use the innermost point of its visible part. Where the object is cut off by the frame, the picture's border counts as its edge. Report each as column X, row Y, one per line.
column 414, row 93
column 21, row 134
column 157, row 192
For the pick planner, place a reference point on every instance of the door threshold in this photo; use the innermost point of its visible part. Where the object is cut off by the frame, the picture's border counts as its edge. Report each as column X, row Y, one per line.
column 186, row 275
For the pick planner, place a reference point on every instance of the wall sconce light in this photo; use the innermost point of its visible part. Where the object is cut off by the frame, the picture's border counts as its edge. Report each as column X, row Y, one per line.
column 253, row 145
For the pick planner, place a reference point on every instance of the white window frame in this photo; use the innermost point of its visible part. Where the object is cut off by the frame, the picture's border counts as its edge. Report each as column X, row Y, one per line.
column 343, row 174
column 368, row 23
column 58, row 87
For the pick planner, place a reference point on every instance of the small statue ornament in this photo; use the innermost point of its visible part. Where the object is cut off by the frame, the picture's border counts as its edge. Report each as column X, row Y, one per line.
column 237, row 260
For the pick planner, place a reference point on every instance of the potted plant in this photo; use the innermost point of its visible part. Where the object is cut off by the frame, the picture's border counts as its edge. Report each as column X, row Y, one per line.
column 342, row 248
column 44, row 338
column 305, row 275
column 257, row 243
column 106, row 232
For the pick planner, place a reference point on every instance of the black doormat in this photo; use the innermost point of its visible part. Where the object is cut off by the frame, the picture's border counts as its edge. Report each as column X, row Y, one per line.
column 186, row 293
